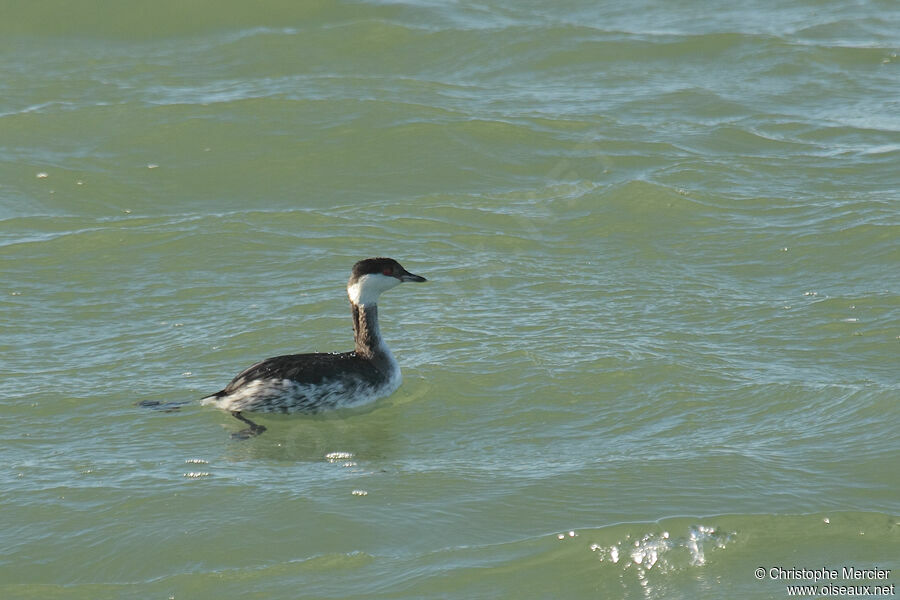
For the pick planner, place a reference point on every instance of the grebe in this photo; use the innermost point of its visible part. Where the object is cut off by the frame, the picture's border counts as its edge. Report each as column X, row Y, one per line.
column 309, row 383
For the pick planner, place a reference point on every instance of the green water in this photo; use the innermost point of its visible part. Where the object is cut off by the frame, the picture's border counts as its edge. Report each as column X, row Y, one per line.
column 658, row 348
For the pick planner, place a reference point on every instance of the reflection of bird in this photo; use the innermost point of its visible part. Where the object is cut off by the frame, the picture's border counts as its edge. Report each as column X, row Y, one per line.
column 309, row 383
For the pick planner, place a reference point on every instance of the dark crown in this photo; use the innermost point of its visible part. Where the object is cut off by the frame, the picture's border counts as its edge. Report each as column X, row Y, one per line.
column 376, row 265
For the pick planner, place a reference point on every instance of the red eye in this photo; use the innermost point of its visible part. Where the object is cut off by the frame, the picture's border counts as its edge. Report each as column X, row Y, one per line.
column 388, row 272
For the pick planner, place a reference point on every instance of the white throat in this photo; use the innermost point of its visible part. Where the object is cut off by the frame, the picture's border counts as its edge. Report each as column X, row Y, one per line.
column 365, row 290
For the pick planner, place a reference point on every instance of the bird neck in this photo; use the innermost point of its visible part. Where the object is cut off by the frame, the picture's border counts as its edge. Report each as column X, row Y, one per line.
column 365, row 330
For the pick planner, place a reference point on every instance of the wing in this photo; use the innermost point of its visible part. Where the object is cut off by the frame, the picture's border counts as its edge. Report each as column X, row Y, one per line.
column 306, row 368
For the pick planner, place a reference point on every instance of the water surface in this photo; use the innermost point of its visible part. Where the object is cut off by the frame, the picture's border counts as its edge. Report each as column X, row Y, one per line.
column 658, row 348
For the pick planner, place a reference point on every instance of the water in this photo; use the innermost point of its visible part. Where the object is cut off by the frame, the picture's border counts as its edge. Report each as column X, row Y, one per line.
column 658, row 348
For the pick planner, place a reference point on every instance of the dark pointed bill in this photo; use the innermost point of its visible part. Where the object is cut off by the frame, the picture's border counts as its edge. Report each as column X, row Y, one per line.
column 407, row 276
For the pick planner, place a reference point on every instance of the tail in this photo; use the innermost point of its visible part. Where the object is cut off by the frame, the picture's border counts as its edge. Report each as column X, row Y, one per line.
column 173, row 406
column 212, row 399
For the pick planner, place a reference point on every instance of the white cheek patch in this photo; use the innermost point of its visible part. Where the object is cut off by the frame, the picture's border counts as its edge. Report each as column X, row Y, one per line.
column 368, row 287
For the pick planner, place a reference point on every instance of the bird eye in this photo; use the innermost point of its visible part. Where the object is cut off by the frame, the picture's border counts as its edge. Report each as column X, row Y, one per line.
column 387, row 271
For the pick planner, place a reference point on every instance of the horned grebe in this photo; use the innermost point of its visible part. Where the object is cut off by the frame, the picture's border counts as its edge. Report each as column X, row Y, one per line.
column 309, row 383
